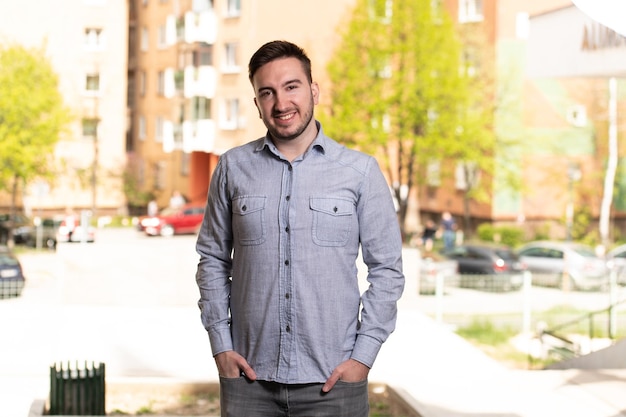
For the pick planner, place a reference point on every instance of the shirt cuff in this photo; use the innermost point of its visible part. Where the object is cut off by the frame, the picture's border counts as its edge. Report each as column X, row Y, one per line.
column 221, row 341
column 365, row 350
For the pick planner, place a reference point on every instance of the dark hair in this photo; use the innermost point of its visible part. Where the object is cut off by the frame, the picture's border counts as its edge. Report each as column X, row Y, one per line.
column 275, row 50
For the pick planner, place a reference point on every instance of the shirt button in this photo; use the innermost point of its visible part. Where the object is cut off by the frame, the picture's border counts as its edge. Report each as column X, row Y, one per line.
column 288, row 328
column 244, row 208
column 287, row 262
column 287, row 229
column 290, row 168
column 287, row 295
column 287, row 198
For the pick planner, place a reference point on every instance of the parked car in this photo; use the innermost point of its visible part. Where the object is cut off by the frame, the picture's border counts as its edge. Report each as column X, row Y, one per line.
column 565, row 265
column 434, row 266
column 6, row 224
column 488, row 267
column 11, row 275
column 175, row 221
column 71, row 229
column 45, row 231
column 616, row 257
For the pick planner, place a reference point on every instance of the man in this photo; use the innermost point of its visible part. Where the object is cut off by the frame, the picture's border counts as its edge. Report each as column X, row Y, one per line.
column 279, row 297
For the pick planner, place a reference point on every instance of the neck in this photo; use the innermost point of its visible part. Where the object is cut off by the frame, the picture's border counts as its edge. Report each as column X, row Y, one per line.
column 293, row 148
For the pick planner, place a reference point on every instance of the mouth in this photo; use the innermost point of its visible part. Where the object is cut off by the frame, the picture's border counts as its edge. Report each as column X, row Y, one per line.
column 285, row 117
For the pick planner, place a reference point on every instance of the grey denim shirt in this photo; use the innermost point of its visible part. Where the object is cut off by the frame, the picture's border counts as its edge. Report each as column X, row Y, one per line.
column 278, row 247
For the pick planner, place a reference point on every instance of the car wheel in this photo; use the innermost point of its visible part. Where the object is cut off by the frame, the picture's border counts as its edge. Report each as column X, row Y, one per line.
column 51, row 243
column 167, row 231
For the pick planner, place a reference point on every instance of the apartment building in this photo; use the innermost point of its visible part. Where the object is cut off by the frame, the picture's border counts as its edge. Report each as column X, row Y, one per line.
column 189, row 93
column 555, row 126
column 160, row 90
column 86, row 41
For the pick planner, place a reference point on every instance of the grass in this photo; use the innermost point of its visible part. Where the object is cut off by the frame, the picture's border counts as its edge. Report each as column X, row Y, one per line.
column 493, row 333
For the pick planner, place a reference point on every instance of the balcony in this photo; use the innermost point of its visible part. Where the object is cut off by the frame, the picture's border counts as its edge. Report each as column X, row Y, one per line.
column 200, row 27
column 198, row 135
column 200, row 81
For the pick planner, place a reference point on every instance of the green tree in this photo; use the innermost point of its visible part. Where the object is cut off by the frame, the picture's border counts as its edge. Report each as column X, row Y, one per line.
column 399, row 92
column 32, row 117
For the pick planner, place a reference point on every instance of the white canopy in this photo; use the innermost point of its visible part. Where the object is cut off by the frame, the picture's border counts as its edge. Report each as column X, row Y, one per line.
column 610, row 13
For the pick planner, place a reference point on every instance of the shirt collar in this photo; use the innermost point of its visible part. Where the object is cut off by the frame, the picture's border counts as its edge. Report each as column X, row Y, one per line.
column 320, row 143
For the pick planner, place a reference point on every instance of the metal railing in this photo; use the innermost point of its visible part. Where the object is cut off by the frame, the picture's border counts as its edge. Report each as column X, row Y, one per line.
column 77, row 391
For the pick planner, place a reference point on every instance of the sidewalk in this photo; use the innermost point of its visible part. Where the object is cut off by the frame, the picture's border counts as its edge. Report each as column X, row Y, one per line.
column 437, row 371
column 445, row 376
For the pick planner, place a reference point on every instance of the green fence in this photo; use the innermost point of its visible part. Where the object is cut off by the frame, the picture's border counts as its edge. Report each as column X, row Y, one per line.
column 77, row 391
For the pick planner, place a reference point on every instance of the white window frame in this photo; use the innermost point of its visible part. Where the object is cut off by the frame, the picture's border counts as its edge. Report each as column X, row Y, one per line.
column 233, row 8
column 88, row 79
column 141, row 129
column 90, row 121
column 231, row 58
column 94, row 39
column 230, row 113
column 471, row 11
column 577, row 115
column 145, row 39
column 160, row 124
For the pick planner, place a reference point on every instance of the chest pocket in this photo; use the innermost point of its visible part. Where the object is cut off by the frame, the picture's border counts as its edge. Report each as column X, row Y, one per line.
column 332, row 220
column 249, row 220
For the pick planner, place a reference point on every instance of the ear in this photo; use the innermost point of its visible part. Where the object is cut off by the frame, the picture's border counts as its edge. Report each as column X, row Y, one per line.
column 315, row 90
column 257, row 107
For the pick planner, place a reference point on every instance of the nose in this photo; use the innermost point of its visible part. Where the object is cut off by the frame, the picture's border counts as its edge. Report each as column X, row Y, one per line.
column 281, row 102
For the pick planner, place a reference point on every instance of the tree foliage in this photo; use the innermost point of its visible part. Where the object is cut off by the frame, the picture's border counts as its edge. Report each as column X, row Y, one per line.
column 32, row 114
column 399, row 92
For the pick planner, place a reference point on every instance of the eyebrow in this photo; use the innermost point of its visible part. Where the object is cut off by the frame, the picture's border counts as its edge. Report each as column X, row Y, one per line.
column 286, row 83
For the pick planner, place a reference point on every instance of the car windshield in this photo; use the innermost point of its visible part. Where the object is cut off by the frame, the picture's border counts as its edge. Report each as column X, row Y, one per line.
column 6, row 260
column 583, row 251
column 506, row 254
column 168, row 211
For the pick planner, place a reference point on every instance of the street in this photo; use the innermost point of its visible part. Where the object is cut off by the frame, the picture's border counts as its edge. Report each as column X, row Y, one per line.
column 130, row 301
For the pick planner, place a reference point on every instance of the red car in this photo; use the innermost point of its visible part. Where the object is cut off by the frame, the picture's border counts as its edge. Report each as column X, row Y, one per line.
column 174, row 221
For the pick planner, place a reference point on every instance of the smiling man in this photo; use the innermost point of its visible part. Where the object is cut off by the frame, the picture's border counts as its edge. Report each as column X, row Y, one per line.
column 286, row 216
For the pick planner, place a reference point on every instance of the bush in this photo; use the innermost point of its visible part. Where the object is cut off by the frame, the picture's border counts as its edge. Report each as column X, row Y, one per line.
column 509, row 235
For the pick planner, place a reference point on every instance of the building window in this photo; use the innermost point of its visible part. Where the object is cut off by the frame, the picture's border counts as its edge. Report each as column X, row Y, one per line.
column 90, row 129
column 162, row 36
column 160, row 122
column 203, row 55
column 142, row 128
column 145, row 40
column 161, row 83
column 233, row 8
column 92, row 84
column 93, row 39
column 160, row 174
column 466, row 176
column 433, row 174
column 229, row 119
column 142, row 83
column 381, row 10
column 470, row 11
column 185, row 163
column 200, row 108
column 231, row 62
column 577, row 115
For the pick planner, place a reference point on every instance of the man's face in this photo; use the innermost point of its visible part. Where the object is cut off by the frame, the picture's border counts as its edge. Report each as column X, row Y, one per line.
column 284, row 98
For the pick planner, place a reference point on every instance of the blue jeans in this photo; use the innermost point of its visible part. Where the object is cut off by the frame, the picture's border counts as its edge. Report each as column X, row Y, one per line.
column 240, row 397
